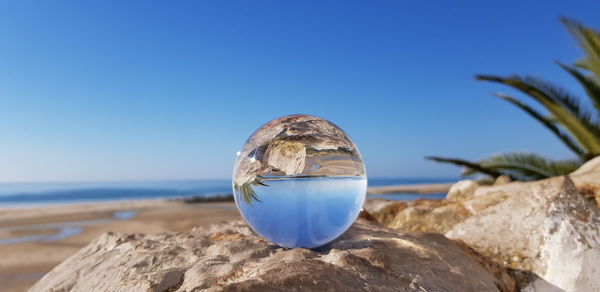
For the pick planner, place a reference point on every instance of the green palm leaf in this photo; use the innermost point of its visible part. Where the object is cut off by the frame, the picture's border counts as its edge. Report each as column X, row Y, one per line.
column 520, row 166
column 467, row 164
column 589, row 41
column 571, row 122
column 591, row 86
column 527, row 166
column 248, row 192
column 564, row 108
column 547, row 122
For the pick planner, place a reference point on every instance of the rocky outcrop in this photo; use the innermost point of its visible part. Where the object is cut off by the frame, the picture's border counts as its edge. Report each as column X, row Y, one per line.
column 545, row 227
column 549, row 228
column 230, row 257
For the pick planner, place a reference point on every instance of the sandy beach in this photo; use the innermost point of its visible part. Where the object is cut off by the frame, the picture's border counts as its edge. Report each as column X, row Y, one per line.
column 51, row 234
column 415, row 188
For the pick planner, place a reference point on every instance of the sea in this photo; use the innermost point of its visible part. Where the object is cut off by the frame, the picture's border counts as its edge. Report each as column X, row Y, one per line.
column 59, row 193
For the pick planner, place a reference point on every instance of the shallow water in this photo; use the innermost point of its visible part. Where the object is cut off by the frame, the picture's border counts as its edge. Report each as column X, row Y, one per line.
column 305, row 212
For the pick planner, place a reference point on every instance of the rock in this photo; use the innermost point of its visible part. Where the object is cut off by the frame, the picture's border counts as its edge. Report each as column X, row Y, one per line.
column 587, row 180
column 502, row 180
column 364, row 214
column 230, row 257
column 247, row 172
column 538, row 284
column 286, row 156
column 384, row 211
column 462, row 190
column 547, row 227
column 375, row 206
column 544, row 226
column 419, row 215
column 424, row 215
column 590, row 192
column 487, row 196
column 590, row 167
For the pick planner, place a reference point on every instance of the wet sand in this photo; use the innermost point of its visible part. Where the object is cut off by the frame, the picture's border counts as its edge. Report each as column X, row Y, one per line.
column 34, row 240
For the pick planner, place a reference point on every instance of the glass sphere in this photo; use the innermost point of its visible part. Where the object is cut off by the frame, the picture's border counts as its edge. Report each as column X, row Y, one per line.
column 299, row 181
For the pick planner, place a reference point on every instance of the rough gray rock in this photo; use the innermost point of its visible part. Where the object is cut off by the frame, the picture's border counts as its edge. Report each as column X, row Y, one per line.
column 545, row 227
column 230, row 257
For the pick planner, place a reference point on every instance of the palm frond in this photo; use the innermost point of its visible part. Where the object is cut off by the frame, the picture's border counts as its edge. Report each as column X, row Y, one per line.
column 571, row 103
column 527, row 166
column 547, row 122
column 260, row 180
column 518, row 166
column 248, row 192
column 564, row 108
column 591, row 86
column 467, row 164
column 589, row 40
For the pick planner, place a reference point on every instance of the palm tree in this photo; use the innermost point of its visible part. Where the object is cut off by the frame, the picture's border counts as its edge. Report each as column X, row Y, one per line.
column 573, row 124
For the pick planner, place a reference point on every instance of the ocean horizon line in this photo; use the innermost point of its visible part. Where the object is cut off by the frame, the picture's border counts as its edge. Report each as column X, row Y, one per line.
column 201, row 179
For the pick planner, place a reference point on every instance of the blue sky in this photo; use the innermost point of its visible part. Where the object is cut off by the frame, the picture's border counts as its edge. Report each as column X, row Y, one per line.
column 137, row 90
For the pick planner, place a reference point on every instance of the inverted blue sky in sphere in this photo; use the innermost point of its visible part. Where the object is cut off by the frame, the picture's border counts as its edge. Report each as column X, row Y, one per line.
column 145, row 90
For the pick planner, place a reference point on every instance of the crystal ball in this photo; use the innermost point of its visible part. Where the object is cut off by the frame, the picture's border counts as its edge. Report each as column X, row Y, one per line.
column 299, row 181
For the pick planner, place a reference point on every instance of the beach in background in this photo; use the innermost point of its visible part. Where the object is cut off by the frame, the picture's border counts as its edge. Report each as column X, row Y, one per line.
column 41, row 224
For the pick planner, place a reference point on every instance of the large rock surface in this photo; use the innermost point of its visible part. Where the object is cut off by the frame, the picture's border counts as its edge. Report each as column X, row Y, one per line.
column 545, row 227
column 549, row 227
column 230, row 257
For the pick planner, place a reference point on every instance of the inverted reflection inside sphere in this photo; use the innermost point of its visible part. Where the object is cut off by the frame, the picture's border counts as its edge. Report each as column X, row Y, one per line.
column 299, row 181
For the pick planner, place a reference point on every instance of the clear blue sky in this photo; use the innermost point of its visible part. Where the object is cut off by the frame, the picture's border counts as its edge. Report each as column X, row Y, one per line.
column 128, row 90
